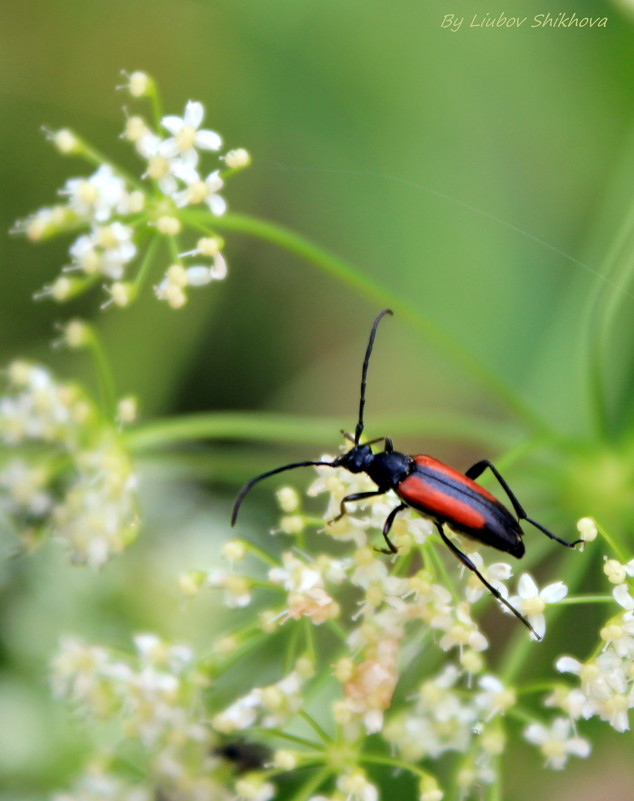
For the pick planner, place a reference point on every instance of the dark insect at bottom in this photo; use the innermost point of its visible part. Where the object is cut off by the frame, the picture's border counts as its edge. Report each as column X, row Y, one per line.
column 434, row 489
column 245, row 756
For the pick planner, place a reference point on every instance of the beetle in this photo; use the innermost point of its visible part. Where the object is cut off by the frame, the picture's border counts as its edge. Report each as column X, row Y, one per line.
column 438, row 492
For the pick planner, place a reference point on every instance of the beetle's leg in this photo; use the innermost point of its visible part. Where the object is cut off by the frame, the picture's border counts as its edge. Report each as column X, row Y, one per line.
column 356, row 496
column 389, row 520
column 495, row 592
column 479, row 467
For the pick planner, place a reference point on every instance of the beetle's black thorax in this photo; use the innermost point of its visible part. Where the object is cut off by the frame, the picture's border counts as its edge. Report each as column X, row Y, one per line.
column 387, row 469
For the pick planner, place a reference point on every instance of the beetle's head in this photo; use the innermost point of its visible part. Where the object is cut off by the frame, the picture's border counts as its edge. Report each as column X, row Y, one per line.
column 356, row 460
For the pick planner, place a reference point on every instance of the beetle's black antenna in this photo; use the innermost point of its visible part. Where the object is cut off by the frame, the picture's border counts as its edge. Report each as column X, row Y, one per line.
column 247, row 487
column 359, row 429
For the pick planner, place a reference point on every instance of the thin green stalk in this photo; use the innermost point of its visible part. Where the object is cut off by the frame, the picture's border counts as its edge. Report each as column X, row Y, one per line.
column 495, row 791
column 291, row 650
column 104, row 373
column 595, row 323
column 155, row 102
column 260, row 553
column 616, row 548
column 322, row 733
column 303, row 429
column 340, row 270
column 294, row 738
column 311, row 785
column 146, row 265
column 573, row 600
column 377, row 759
column 97, row 158
column 310, row 640
column 338, row 631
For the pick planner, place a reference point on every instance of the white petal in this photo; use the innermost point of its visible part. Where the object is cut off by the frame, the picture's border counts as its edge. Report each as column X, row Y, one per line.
column 208, row 140
column 578, row 746
column 554, row 592
column 536, row 734
column 491, row 683
column 526, row 587
column 194, row 113
column 478, row 641
column 561, row 727
column 190, row 157
column 168, row 149
column 623, row 597
column 198, row 275
column 172, row 124
column 180, row 198
column 214, row 181
column 219, row 270
column 184, row 172
column 538, row 622
column 568, row 664
column 217, row 204
column 501, row 571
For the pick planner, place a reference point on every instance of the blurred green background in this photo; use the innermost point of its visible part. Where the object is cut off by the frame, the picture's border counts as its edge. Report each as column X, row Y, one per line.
column 482, row 174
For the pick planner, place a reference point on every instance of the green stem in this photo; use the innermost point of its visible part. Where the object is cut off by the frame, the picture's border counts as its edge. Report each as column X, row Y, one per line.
column 155, row 102
column 376, row 759
column 616, row 548
column 104, row 373
column 294, row 738
column 311, row 785
column 97, row 158
column 573, row 600
column 260, row 553
column 337, row 268
column 308, row 430
column 322, row 733
column 146, row 264
column 310, row 640
column 597, row 316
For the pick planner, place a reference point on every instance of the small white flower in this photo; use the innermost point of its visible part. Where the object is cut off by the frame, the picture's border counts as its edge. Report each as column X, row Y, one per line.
column 356, row 787
column 496, row 574
column 187, row 135
column 201, row 190
column 96, row 197
column 495, row 698
column 462, row 631
column 531, row 601
column 556, row 742
column 252, row 788
column 107, row 250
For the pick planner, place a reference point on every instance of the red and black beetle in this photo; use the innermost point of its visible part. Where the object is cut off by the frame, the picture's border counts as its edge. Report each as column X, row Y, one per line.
column 434, row 489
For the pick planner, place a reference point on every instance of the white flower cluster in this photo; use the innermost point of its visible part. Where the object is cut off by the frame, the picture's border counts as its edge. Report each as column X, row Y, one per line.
column 155, row 695
column 150, row 692
column 116, row 212
column 459, row 709
column 446, row 717
column 268, row 706
column 606, row 680
column 96, row 784
column 65, row 472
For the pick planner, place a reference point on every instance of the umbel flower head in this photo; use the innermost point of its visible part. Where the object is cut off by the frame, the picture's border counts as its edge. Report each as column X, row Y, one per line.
column 118, row 219
column 65, row 472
